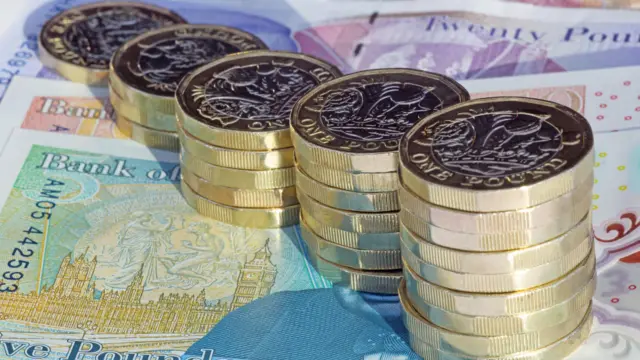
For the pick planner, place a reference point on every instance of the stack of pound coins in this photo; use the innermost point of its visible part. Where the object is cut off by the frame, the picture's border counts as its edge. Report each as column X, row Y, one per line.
column 79, row 42
column 346, row 134
column 145, row 73
column 496, row 235
column 236, row 152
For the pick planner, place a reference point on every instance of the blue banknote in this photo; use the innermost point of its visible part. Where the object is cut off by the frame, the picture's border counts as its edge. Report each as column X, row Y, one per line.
column 101, row 258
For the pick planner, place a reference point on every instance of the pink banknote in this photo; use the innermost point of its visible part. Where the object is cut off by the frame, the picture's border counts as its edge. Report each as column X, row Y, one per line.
column 87, row 116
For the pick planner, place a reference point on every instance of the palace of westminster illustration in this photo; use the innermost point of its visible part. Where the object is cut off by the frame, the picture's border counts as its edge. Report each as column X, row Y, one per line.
column 72, row 302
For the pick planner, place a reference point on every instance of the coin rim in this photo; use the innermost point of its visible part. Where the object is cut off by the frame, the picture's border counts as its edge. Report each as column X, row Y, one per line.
column 384, row 161
column 358, row 258
column 519, row 280
column 348, row 220
column 217, row 193
column 144, row 101
column 484, row 200
column 482, row 346
column 237, row 139
column 496, row 262
column 505, row 304
column 239, row 178
column 350, row 238
column 233, row 158
column 88, row 75
column 245, row 217
column 345, row 199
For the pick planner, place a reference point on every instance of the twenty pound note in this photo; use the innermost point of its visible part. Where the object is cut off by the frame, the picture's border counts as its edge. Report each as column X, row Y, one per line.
column 464, row 39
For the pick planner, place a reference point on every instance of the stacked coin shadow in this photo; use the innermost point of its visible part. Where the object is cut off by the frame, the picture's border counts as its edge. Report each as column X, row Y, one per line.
column 495, row 231
column 144, row 74
column 236, row 151
column 346, row 134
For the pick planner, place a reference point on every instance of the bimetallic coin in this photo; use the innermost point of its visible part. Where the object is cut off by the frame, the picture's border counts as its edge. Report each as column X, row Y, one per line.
column 508, row 240
column 563, row 211
column 355, row 123
column 246, row 198
column 237, row 159
column 349, row 220
column 517, row 280
column 497, row 262
column 238, row 178
column 558, row 350
column 344, row 199
column 506, row 325
column 502, row 304
column 244, row 101
column 360, row 182
column 350, row 257
column 150, row 137
column 363, row 241
column 483, row 346
column 79, row 42
column 497, row 154
column 246, row 217
column 147, row 69
column 380, row 281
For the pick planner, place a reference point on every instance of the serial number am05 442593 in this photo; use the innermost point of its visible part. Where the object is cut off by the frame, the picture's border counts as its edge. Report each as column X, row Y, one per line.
column 23, row 252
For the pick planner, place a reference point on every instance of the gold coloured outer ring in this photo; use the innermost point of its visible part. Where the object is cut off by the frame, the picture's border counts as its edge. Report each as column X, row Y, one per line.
column 494, row 283
column 238, row 178
column 150, row 137
column 373, row 281
column 348, row 220
column 497, row 262
column 344, row 199
column 246, row 217
column 361, row 182
column 506, row 325
column 350, row 257
column 149, row 107
column 237, row 139
column 566, row 209
column 488, row 242
column 246, row 198
column 503, row 304
column 427, row 187
column 559, row 349
column 81, row 74
column 237, row 159
column 483, row 346
column 363, row 241
column 152, row 118
column 385, row 157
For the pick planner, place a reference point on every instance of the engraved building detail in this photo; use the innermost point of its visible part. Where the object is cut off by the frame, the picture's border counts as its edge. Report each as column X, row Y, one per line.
column 73, row 301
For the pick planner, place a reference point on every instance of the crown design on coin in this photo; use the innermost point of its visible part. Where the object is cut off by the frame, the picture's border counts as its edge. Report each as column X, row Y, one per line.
column 488, row 143
column 164, row 63
column 375, row 111
column 256, row 92
column 98, row 36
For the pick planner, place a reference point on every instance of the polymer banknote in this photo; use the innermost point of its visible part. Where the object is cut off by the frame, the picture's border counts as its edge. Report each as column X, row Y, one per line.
column 464, row 39
column 101, row 258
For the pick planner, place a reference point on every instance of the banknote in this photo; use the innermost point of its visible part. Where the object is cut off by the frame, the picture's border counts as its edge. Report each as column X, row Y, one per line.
column 101, row 258
column 608, row 98
column 464, row 39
